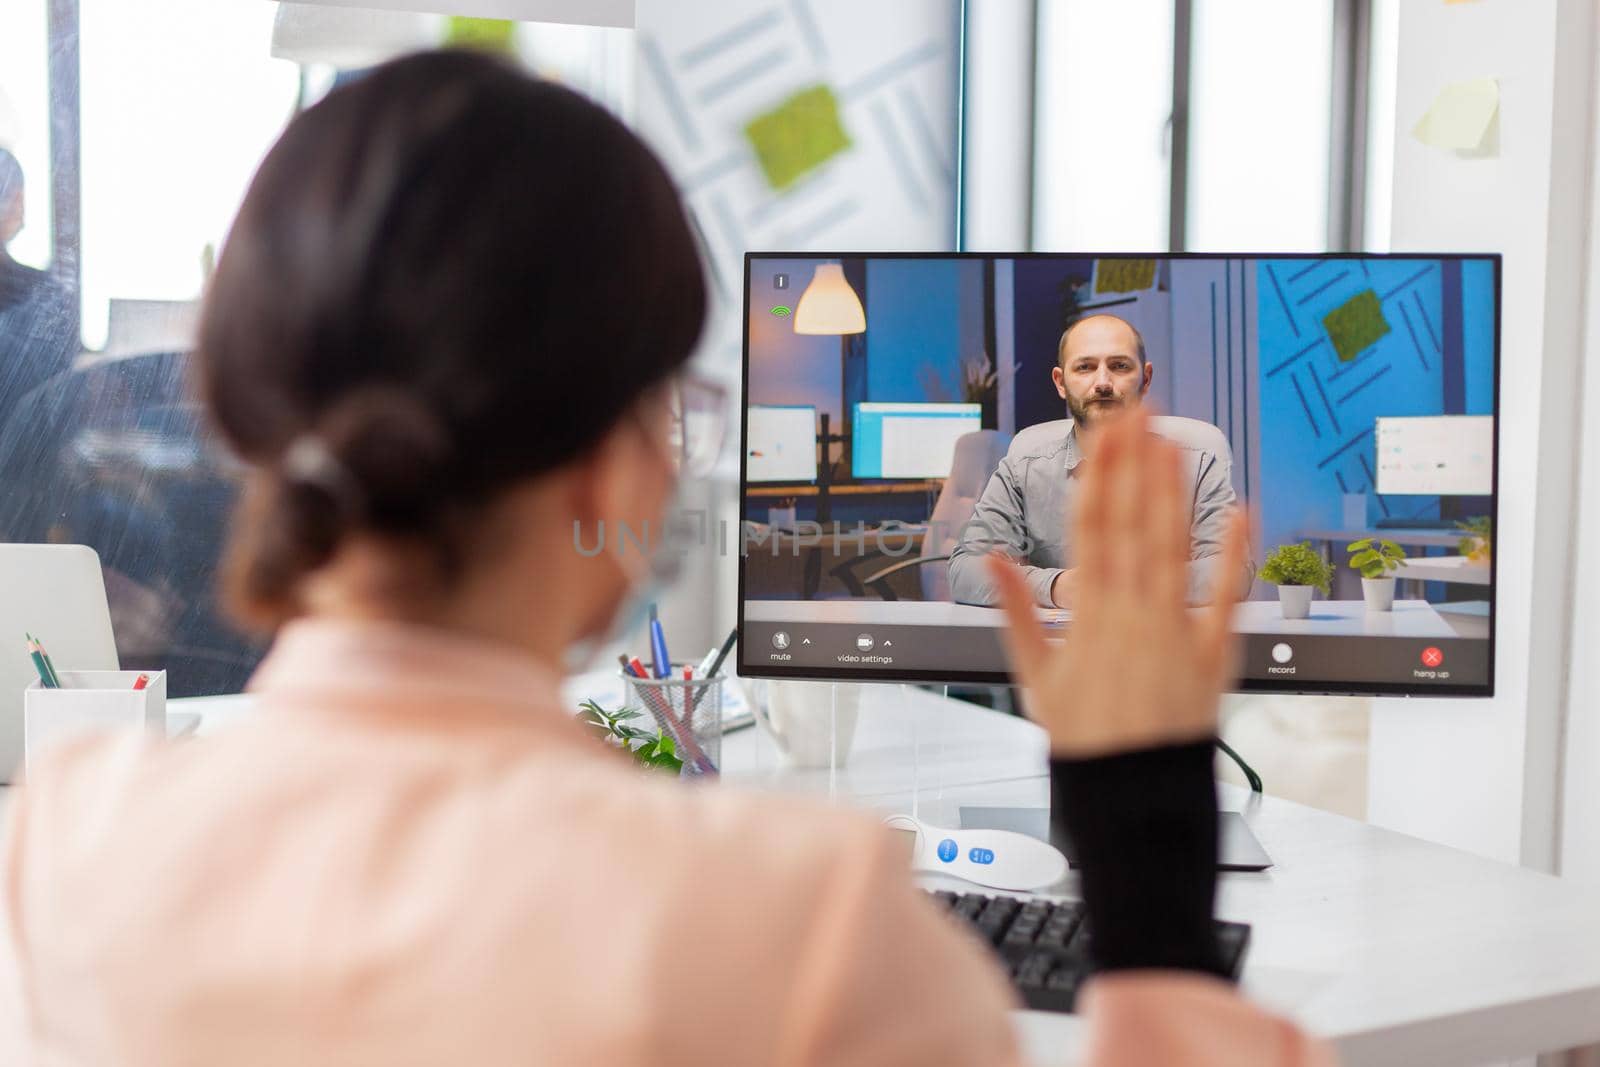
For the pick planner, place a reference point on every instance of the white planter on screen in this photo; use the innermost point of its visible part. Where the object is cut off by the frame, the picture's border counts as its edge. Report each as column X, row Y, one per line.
column 1295, row 600
column 1379, row 593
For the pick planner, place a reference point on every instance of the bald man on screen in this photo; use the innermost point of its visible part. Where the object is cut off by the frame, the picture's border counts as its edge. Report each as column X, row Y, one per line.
column 1101, row 370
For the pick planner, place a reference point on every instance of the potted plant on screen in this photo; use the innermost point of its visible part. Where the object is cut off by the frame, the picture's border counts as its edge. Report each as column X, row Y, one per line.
column 1478, row 541
column 1296, row 570
column 1376, row 558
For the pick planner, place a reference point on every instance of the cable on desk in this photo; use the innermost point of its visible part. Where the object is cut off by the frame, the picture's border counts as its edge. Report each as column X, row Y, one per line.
column 1250, row 774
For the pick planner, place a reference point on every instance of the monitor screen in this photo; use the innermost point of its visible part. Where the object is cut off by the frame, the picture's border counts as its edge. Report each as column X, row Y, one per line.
column 1436, row 455
column 780, row 443
column 909, row 440
column 1345, row 400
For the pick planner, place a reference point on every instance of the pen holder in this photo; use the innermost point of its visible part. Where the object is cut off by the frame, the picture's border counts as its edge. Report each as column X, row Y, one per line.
column 92, row 702
column 689, row 712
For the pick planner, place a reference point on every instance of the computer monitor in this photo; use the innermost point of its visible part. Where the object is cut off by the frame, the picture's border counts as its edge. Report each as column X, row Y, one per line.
column 1436, row 455
column 909, row 440
column 1338, row 397
column 781, row 443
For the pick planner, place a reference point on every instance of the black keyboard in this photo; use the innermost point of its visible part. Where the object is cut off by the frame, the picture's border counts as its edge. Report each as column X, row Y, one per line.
column 1045, row 944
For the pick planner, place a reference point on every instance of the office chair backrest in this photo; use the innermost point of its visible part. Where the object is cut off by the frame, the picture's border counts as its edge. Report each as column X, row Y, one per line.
column 1187, row 433
column 56, row 593
column 1193, row 433
column 977, row 456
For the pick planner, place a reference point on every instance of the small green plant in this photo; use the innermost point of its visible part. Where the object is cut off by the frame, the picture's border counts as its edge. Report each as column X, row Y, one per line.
column 1479, row 542
column 1297, row 565
column 1375, row 557
column 653, row 750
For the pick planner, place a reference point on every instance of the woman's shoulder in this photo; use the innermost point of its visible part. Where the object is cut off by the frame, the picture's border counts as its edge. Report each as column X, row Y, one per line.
column 714, row 841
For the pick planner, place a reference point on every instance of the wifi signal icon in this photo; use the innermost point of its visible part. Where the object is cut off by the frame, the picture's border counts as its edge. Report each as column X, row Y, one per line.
column 781, row 310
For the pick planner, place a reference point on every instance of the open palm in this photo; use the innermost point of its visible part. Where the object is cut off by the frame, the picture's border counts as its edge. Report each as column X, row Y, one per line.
column 1139, row 668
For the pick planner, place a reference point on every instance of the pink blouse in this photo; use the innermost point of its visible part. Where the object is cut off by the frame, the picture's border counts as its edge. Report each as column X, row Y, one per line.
column 414, row 855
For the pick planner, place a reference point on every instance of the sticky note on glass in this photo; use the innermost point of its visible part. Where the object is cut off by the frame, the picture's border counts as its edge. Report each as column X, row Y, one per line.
column 798, row 136
column 1124, row 275
column 1356, row 325
column 1461, row 116
column 489, row 35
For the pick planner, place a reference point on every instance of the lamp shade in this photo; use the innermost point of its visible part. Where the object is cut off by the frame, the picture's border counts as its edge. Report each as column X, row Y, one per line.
column 829, row 305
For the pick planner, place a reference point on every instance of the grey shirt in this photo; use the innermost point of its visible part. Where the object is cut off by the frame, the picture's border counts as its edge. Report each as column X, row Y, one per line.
column 1024, row 509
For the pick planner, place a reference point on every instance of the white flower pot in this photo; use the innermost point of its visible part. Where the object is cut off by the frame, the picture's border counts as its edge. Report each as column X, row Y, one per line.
column 1295, row 600
column 1379, row 593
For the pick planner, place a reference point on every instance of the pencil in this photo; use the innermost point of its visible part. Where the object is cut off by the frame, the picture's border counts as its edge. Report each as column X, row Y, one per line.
column 40, row 665
column 50, row 665
column 47, row 671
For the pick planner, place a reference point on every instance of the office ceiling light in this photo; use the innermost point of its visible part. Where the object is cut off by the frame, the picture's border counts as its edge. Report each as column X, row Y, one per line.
column 829, row 305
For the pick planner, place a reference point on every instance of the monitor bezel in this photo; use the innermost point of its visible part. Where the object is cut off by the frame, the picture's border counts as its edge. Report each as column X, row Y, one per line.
column 1306, row 687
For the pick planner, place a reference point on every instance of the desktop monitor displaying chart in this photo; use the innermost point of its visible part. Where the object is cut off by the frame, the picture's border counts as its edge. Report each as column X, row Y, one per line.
column 1338, row 398
column 781, row 443
column 909, row 440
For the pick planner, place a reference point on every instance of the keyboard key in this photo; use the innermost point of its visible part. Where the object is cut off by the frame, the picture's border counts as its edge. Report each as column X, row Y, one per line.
column 1064, row 980
column 1031, row 972
column 969, row 905
column 1059, row 930
column 1003, row 908
column 993, row 922
column 1021, row 935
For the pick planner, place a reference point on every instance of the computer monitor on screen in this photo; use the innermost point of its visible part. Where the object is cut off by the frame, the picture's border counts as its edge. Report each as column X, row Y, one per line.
column 910, row 440
column 781, row 443
column 1436, row 455
column 1336, row 397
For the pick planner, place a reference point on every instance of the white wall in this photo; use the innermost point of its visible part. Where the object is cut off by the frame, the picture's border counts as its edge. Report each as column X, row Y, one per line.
column 1580, row 827
column 1483, row 775
column 704, row 70
column 997, row 134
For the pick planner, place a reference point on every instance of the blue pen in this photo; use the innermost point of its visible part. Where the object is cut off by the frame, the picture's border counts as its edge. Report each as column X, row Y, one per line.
column 660, row 662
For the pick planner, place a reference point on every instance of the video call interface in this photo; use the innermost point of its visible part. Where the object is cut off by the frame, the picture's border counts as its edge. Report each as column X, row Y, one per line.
column 922, row 411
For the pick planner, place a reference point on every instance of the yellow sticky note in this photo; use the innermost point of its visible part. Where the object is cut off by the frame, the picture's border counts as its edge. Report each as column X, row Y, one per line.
column 1124, row 275
column 489, row 35
column 799, row 135
column 1460, row 116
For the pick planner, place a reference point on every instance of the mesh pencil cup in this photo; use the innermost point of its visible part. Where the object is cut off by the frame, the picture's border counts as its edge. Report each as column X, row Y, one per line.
column 689, row 712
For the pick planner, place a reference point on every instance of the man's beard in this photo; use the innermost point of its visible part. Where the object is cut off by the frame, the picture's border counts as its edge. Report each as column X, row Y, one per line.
column 1088, row 412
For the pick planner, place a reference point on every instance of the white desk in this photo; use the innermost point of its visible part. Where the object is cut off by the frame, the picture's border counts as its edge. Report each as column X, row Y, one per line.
column 1419, row 538
column 1400, row 951
column 1410, row 618
column 1456, row 569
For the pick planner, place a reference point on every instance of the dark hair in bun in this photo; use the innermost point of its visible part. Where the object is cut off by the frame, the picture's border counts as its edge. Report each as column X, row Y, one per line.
column 446, row 278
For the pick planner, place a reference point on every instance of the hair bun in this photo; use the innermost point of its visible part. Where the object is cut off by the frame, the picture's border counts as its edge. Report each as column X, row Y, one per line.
column 395, row 454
